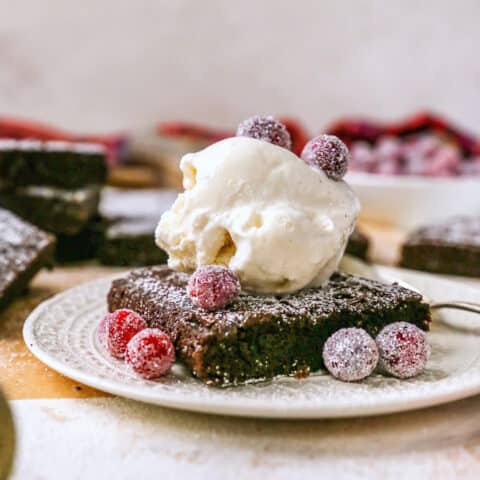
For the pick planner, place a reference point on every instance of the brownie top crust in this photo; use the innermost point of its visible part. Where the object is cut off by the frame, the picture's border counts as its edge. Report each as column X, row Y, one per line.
column 343, row 293
column 457, row 231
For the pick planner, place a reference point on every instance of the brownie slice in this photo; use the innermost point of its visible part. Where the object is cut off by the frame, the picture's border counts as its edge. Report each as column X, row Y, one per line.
column 61, row 164
column 83, row 245
column 53, row 209
column 131, row 217
column 358, row 244
column 451, row 247
column 24, row 250
column 259, row 337
column 131, row 242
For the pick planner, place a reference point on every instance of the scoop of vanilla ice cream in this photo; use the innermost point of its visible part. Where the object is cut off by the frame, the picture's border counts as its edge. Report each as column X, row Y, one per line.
column 258, row 209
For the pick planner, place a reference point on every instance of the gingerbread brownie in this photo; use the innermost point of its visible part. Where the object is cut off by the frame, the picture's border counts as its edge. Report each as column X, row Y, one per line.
column 358, row 244
column 259, row 337
column 51, row 208
column 451, row 247
column 24, row 250
column 60, row 164
column 83, row 245
column 131, row 242
column 131, row 217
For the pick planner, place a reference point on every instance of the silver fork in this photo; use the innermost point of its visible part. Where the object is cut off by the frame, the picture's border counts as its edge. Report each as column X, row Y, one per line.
column 466, row 306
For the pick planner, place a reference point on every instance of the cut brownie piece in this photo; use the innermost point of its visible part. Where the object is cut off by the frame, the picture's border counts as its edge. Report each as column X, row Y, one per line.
column 83, row 245
column 53, row 209
column 131, row 217
column 259, row 337
column 358, row 244
column 61, row 164
column 131, row 242
column 451, row 247
column 24, row 250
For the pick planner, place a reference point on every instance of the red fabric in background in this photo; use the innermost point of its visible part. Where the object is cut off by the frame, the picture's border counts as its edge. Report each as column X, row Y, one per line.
column 11, row 127
column 297, row 131
column 349, row 130
column 355, row 128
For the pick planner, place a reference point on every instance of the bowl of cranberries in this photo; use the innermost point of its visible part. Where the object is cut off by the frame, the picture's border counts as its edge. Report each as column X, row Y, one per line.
column 414, row 171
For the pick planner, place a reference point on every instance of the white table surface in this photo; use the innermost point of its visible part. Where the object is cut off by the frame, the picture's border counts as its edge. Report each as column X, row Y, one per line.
column 111, row 438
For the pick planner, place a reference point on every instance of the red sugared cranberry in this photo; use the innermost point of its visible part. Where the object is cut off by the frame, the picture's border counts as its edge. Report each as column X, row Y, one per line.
column 403, row 349
column 212, row 287
column 121, row 326
column 267, row 129
column 328, row 153
column 150, row 353
column 350, row 354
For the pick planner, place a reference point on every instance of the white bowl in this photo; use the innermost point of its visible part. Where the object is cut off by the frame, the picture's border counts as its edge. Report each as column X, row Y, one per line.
column 408, row 202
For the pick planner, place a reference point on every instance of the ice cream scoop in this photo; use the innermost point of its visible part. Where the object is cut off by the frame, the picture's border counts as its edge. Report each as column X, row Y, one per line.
column 257, row 208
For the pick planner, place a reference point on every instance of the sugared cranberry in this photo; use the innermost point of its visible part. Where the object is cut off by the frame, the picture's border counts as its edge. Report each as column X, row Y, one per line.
column 350, row 354
column 121, row 326
column 328, row 153
column 150, row 353
column 267, row 129
column 212, row 287
column 403, row 349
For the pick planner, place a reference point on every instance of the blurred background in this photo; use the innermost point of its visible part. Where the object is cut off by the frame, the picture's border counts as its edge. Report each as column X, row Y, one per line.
column 114, row 71
column 104, row 65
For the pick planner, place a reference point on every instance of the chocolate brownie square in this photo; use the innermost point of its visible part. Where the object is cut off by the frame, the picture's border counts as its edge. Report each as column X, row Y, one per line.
column 83, row 245
column 53, row 209
column 259, row 337
column 131, row 242
column 131, row 217
column 358, row 244
column 24, row 250
column 450, row 247
column 60, row 164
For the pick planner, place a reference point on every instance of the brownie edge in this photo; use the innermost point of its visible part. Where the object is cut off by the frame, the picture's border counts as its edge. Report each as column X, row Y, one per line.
column 259, row 337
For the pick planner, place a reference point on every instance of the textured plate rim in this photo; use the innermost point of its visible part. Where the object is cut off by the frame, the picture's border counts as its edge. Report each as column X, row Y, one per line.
column 441, row 391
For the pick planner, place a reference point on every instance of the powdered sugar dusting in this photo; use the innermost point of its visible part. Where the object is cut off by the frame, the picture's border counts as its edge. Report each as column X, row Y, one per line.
column 350, row 354
column 150, row 353
column 404, row 349
column 212, row 287
column 461, row 231
column 343, row 291
column 267, row 129
column 20, row 246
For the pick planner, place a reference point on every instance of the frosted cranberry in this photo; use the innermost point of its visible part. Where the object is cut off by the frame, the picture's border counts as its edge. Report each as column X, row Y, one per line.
column 403, row 348
column 267, row 129
column 150, row 353
column 350, row 354
column 121, row 326
column 328, row 153
column 213, row 287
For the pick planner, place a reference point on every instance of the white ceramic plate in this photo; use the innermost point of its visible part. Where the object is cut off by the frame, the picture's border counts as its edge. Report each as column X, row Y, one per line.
column 61, row 332
column 409, row 202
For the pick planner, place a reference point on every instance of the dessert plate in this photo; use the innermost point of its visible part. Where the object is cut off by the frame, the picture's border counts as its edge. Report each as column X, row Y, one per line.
column 410, row 202
column 61, row 332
